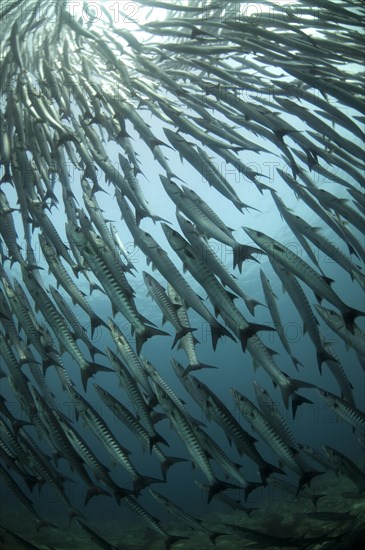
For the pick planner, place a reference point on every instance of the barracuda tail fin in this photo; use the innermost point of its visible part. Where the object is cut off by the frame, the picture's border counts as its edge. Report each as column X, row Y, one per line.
column 323, row 355
column 251, row 330
column 94, row 491
column 218, row 486
column 168, row 462
column 197, row 366
column 251, row 304
column 94, row 351
column 251, row 486
column 95, row 321
column 218, row 331
column 298, row 400
column 144, row 481
column 181, row 333
column 155, row 219
column 148, row 332
column 242, row 252
column 90, row 370
column 349, row 316
column 267, row 469
column 296, row 362
column 157, row 438
column 306, row 479
column 94, row 286
column 140, row 214
column 121, row 492
column 290, row 389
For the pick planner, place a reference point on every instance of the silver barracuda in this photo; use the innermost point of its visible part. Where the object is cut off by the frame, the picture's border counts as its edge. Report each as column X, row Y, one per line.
column 270, row 410
column 349, row 413
column 347, row 467
column 353, row 244
column 319, row 284
column 186, row 432
column 314, row 234
column 62, row 333
column 214, row 409
column 283, row 451
column 161, row 260
column 122, row 413
column 206, row 225
column 194, row 523
column 310, row 323
column 270, row 298
column 122, row 301
column 143, row 410
column 64, row 279
column 7, row 230
column 340, row 374
column 222, row 301
column 78, row 329
column 354, row 338
column 169, row 313
column 212, row 261
column 119, row 244
column 119, row 453
column 187, row 342
column 133, row 362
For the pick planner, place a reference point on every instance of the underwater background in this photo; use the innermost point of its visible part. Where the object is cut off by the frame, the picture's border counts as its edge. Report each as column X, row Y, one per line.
column 274, row 511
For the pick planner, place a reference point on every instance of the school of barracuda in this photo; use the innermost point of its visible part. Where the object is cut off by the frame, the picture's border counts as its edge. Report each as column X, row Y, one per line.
column 60, row 112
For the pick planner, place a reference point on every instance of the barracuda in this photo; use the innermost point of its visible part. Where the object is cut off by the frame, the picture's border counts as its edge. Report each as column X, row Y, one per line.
column 143, row 410
column 319, row 284
column 354, row 338
column 160, row 260
column 286, row 455
column 119, row 453
column 188, row 436
column 214, row 409
column 168, row 310
column 207, row 254
column 133, row 362
column 222, row 301
column 206, row 225
column 66, row 339
column 270, row 297
column 120, row 300
column 187, row 342
column 184, row 516
column 347, row 412
column 122, row 413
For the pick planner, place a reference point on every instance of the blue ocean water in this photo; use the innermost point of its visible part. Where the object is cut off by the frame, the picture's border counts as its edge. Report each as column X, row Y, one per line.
column 315, row 424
